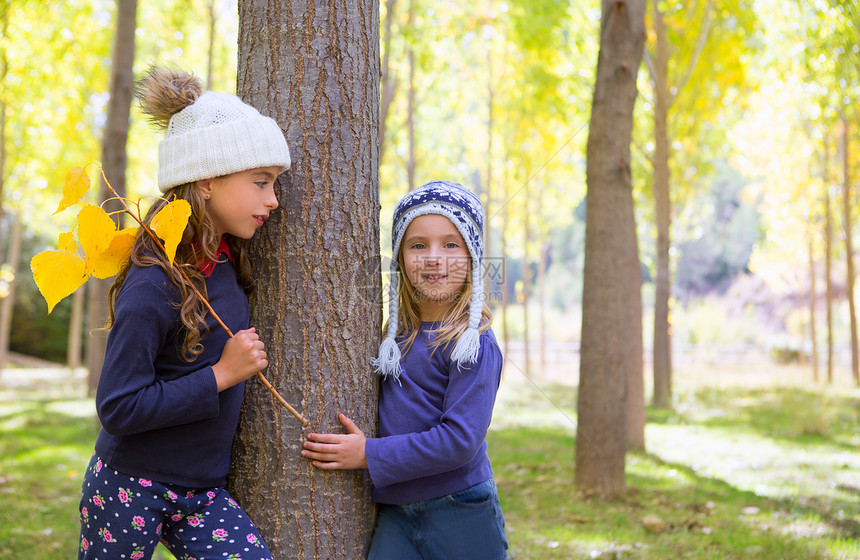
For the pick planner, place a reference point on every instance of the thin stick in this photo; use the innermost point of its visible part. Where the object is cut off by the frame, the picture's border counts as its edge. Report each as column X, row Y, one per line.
column 155, row 238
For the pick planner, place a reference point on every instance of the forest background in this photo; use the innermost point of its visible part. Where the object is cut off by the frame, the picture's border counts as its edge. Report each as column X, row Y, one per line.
column 761, row 130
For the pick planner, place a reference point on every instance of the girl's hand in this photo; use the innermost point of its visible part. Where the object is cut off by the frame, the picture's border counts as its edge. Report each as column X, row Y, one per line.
column 243, row 356
column 337, row 451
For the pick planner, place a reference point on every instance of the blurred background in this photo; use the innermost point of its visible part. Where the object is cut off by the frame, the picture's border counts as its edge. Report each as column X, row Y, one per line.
column 746, row 122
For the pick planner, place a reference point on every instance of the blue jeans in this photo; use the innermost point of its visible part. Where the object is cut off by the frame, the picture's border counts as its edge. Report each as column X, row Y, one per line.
column 466, row 525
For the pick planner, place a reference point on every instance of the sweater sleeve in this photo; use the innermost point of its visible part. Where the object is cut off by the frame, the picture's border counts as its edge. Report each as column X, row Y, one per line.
column 459, row 436
column 131, row 397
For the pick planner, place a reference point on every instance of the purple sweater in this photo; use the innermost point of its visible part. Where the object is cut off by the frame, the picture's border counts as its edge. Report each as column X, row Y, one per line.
column 163, row 418
column 432, row 428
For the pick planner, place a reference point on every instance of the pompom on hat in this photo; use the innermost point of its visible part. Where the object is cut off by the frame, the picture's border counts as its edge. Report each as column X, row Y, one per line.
column 465, row 211
column 208, row 134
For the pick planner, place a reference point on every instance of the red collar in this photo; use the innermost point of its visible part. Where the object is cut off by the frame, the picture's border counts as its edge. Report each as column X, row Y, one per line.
column 207, row 266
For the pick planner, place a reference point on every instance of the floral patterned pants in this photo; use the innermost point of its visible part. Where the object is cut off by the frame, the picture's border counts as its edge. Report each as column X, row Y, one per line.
column 123, row 517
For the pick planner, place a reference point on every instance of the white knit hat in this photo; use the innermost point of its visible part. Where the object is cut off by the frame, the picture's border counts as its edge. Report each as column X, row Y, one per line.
column 217, row 135
column 466, row 212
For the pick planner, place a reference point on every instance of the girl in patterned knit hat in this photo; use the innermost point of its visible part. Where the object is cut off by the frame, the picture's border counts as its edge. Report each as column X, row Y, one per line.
column 172, row 382
column 440, row 366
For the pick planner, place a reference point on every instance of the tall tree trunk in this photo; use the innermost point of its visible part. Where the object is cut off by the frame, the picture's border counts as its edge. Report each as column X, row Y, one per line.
column 662, row 352
column 506, row 296
column 812, row 297
column 611, row 255
column 7, row 303
column 410, row 108
column 828, row 259
column 849, row 251
column 488, row 203
column 635, row 365
column 541, row 290
column 387, row 82
column 114, row 162
column 527, row 279
column 314, row 68
column 213, row 17
column 76, row 322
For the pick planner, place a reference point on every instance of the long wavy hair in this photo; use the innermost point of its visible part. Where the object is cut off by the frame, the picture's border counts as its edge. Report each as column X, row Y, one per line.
column 199, row 242
column 455, row 321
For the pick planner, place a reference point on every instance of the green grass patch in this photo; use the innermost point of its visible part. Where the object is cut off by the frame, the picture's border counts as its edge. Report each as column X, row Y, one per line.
column 731, row 473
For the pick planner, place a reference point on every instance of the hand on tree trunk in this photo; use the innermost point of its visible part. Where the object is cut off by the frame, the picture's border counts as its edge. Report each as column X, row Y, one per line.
column 337, row 451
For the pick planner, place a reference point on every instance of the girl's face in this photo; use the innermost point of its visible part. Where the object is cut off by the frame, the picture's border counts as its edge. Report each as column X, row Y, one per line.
column 239, row 203
column 436, row 261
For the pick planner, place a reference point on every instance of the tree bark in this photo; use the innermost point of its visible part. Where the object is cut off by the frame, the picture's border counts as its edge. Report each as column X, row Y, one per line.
column 849, row 251
column 7, row 303
column 388, row 83
column 610, row 254
column 410, row 106
column 313, row 67
column 114, row 162
column 662, row 352
column 812, row 297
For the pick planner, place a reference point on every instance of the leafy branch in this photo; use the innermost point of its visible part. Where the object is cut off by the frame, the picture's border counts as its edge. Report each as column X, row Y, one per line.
column 105, row 249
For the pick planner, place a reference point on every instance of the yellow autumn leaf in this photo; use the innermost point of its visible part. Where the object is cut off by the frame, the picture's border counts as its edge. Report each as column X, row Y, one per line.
column 57, row 274
column 95, row 232
column 111, row 259
column 169, row 224
column 76, row 186
column 67, row 242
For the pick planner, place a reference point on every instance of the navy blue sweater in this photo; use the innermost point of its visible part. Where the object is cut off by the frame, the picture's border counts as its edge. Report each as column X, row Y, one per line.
column 432, row 427
column 163, row 418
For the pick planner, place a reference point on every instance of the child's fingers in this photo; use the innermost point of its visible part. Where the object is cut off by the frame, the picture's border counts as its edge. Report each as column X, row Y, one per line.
column 350, row 425
column 327, row 438
column 327, row 466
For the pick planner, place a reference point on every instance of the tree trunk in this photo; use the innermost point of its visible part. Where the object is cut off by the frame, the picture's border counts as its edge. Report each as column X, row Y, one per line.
column 828, row 260
column 849, row 252
column 662, row 353
column 314, row 67
column 488, row 208
column 76, row 322
column 635, row 366
column 610, row 254
column 812, row 297
column 506, row 296
column 387, row 85
column 410, row 108
column 527, row 279
column 210, row 8
column 7, row 303
column 114, row 163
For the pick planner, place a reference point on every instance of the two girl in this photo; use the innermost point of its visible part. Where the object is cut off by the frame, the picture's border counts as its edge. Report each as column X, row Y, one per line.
column 441, row 367
column 172, row 381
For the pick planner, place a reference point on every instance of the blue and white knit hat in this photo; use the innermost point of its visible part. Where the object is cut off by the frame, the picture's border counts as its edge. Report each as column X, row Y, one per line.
column 465, row 211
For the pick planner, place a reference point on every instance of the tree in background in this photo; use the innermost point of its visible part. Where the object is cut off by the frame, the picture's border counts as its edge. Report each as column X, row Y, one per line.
column 699, row 41
column 611, row 254
column 114, row 162
column 315, row 69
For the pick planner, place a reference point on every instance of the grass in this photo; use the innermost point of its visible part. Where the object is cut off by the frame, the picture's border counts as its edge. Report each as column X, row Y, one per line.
column 739, row 471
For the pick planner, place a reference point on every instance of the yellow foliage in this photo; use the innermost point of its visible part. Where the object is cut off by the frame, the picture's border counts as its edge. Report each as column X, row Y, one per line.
column 105, row 250
column 111, row 259
column 58, row 274
column 77, row 185
column 95, row 231
column 169, row 224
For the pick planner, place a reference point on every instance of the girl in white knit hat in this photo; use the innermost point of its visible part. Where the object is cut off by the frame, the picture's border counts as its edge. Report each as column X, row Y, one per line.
column 441, row 367
column 172, row 382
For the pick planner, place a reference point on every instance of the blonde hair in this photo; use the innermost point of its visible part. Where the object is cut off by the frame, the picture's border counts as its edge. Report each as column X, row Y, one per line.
column 453, row 324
